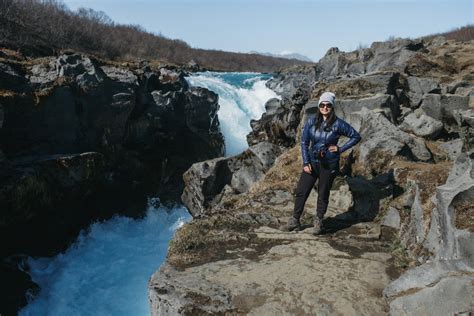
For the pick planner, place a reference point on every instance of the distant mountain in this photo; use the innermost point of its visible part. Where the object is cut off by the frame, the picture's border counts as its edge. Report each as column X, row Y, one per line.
column 285, row 54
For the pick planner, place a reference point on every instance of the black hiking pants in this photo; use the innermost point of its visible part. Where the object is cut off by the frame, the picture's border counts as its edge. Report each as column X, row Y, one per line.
column 326, row 174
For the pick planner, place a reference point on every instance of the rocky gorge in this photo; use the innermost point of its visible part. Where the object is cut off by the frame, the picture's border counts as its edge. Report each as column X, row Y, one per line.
column 82, row 139
column 398, row 237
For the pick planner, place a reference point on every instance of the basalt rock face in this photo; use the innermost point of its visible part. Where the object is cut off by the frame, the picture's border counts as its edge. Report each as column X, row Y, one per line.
column 133, row 130
column 206, row 182
column 81, row 139
column 407, row 194
column 281, row 118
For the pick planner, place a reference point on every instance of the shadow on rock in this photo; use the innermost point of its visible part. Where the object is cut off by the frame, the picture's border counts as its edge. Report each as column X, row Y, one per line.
column 371, row 196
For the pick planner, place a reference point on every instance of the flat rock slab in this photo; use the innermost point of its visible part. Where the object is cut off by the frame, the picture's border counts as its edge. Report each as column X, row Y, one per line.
column 456, row 293
column 305, row 275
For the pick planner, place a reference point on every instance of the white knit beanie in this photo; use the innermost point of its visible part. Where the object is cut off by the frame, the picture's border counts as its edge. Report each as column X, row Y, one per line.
column 327, row 97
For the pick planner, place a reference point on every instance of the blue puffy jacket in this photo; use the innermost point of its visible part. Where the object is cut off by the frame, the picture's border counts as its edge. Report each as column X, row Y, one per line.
column 314, row 141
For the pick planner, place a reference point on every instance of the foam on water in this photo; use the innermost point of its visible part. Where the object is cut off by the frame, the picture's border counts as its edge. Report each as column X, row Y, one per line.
column 106, row 271
column 242, row 97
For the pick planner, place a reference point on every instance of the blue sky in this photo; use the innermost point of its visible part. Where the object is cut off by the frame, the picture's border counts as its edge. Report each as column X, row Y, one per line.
column 303, row 26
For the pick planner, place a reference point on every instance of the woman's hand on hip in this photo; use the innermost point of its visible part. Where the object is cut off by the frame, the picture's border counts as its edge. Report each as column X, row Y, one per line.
column 308, row 169
column 333, row 148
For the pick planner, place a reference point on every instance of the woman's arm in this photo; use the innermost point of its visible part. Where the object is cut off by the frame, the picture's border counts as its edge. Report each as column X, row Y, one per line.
column 348, row 131
column 305, row 140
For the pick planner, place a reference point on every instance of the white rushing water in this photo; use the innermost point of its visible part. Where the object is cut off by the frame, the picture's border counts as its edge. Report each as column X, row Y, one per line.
column 242, row 97
column 106, row 270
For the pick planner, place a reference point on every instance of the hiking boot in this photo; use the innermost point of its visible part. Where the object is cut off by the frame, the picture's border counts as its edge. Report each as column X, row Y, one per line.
column 318, row 225
column 293, row 224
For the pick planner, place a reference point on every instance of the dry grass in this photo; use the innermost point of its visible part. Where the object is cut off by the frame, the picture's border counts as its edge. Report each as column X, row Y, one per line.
column 464, row 33
column 283, row 175
column 449, row 62
column 377, row 162
column 10, row 54
column 427, row 176
column 464, row 215
column 214, row 238
column 7, row 94
column 359, row 88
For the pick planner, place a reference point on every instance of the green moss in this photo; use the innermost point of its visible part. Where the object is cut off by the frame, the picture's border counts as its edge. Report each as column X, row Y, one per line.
column 31, row 193
column 400, row 254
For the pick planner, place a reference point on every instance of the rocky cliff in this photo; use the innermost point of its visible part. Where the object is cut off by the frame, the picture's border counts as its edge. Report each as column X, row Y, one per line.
column 82, row 139
column 398, row 237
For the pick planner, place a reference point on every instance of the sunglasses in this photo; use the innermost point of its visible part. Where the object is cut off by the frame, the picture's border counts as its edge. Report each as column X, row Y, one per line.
column 328, row 105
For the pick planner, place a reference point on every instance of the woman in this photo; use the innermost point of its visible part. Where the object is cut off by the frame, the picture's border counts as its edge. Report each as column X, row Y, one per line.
column 320, row 159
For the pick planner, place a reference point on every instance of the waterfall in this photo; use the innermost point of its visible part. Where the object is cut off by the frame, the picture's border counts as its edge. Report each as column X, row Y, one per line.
column 106, row 270
column 242, row 97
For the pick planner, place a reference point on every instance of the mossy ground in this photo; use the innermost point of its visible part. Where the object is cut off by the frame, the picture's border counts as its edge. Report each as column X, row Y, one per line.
column 214, row 238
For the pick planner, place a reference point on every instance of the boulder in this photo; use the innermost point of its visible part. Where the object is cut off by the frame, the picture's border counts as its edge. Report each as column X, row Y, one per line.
column 273, row 106
column 392, row 55
column 206, row 181
column 380, row 135
column 383, row 102
column 444, row 108
column 452, row 148
column 464, row 117
column 203, row 182
column 392, row 218
column 293, row 83
column 460, row 87
column 381, row 56
column 385, row 82
column 279, row 126
column 452, row 110
column 82, row 70
column 335, row 63
column 279, row 123
column 465, row 122
column 418, row 87
column 431, row 105
column 421, row 124
column 250, row 169
column 452, row 103
column 171, row 80
column 120, row 75
column 43, row 75
column 466, row 92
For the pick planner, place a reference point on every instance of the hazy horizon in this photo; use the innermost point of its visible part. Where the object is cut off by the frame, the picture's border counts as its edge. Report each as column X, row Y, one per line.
column 305, row 27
